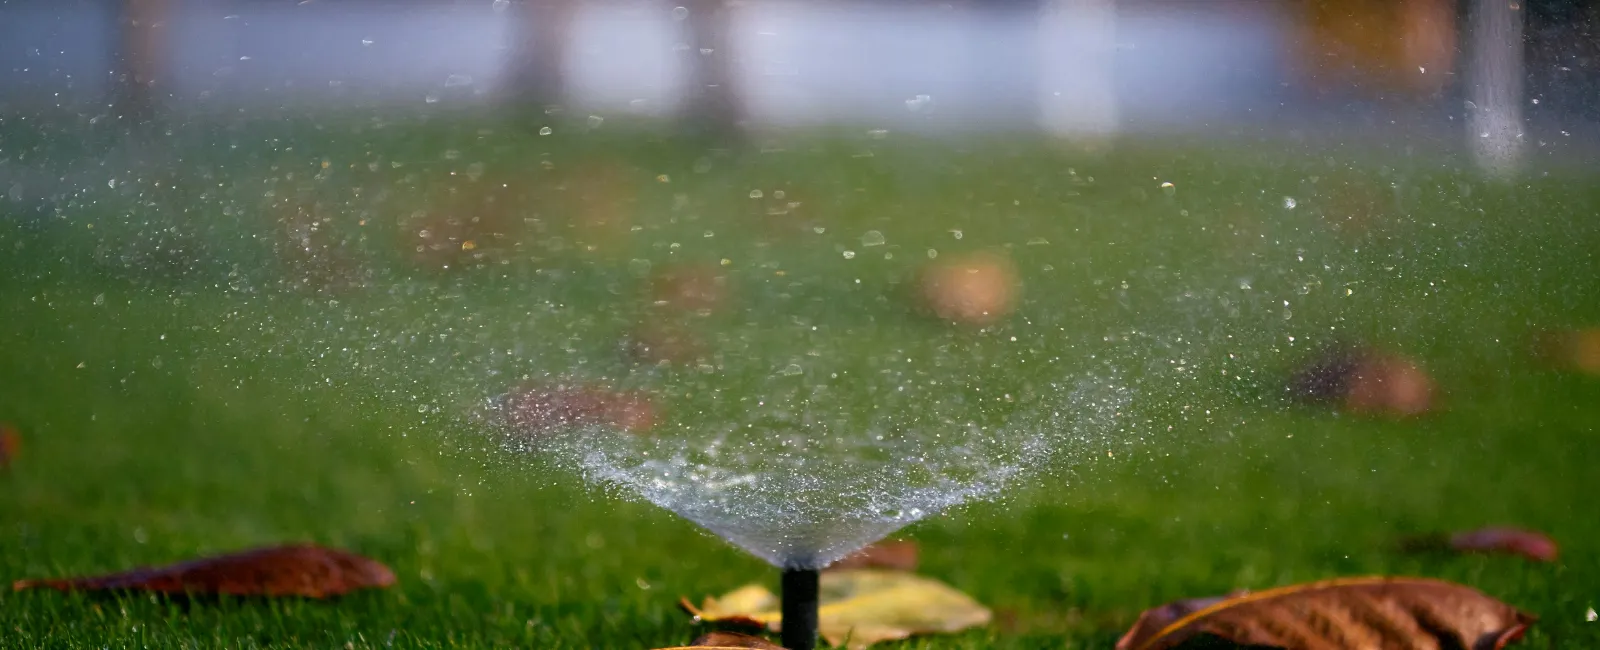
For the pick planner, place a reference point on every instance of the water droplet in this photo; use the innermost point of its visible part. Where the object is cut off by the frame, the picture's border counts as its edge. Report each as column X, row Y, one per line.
column 475, row 171
column 452, row 154
column 791, row 370
column 595, row 121
column 680, row 13
column 367, row 41
column 545, row 130
column 878, row 134
column 1169, row 189
column 100, row 299
column 1289, row 203
column 956, row 233
column 501, row 5
column 819, row 229
column 932, row 253
column 1591, row 616
column 872, row 238
column 849, row 255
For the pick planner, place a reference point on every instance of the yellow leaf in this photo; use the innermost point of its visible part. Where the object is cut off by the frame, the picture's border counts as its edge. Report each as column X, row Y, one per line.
column 859, row 607
column 750, row 601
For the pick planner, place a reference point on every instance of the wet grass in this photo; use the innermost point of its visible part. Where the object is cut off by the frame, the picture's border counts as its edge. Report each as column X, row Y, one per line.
column 166, row 413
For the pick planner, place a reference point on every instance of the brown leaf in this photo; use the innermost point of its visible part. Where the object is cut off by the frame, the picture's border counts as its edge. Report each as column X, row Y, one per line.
column 1526, row 543
column 1375, row 612
column 537, row 409
column 1366, row 381
column 859, row 607
column 659, row 342
column 1576, row 350
column 896, row 555
column 977, row 289
column 294, row 570
column 1532, row 545
column 725, row 640
column 698, row 288
column 1152, row 621
column 10, row 444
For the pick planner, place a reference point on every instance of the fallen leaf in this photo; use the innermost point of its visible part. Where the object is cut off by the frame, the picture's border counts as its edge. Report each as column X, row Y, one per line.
column 537, row 409
column 722, row 640
column 1374, row 612
column 1152, row 621
column 860, row 607
column 697, row 288
column 294, row 570
column 1366, row 381
column 467, row 223
column 896, row 555
column 660, row 342
column 977, row 289
column 1529, row 544
column 10, row 443
column 1576, row 350
column 600, row 198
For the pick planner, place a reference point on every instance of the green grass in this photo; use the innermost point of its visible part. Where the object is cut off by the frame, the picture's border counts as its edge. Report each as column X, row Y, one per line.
column 179, row 410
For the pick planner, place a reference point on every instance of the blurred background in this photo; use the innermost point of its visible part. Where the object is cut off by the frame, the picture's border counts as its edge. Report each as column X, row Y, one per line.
column 1068, row 66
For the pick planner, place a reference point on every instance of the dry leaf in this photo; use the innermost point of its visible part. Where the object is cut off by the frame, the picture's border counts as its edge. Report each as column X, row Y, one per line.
column 897, row 555
column 859, row 607
column 534, row 410
column 1529, row 544
column 1366, row 381
column 296, row 570
column 1152, row 621
column 660, row 341
column 698, row 288
column 726, row 640
column 1374, row 612
column 977, row 289
column 10, row 443
column 1576, row 350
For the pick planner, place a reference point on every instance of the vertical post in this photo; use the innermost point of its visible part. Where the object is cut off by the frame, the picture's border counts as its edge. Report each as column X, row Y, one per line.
column 1494, row 116
column 711, row 102
column 537, row 51
column 1077, row 91
column 800, row 588
column 142, row 58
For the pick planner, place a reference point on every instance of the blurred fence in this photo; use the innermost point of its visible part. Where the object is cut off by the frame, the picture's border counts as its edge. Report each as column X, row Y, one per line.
column 1072, row 64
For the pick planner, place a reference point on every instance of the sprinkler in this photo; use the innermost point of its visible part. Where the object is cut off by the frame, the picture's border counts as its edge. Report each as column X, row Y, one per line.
column 800, row 609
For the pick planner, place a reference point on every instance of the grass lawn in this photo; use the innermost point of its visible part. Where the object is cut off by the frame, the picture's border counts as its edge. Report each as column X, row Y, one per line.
column 185, row 386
